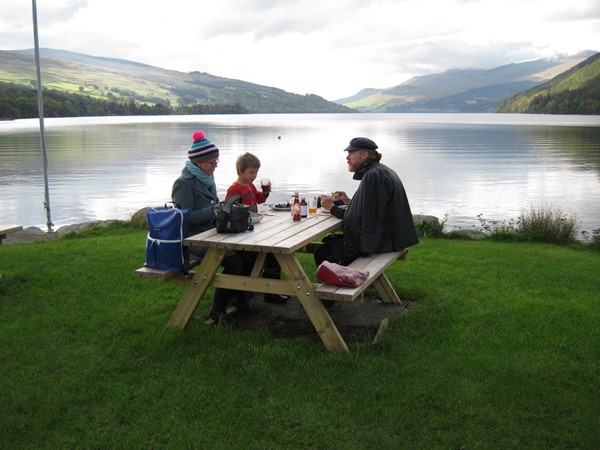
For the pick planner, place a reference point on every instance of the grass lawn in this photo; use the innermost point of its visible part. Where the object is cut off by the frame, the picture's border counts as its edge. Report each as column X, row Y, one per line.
column 502, row 351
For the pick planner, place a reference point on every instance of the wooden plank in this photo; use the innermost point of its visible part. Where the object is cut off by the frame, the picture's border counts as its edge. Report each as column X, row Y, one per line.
column 376, row 265
column 244, row 283
column 316, row 312
column 149, row 272
column 385, row 289
column 278, row 234
column 382, row 327
column 196, row 288
column 7, row 229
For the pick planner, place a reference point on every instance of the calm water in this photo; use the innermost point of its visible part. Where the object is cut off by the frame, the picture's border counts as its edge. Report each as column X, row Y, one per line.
column 458, row 165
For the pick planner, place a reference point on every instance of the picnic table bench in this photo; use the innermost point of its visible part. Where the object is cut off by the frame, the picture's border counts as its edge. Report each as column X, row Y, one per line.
column 7, row 229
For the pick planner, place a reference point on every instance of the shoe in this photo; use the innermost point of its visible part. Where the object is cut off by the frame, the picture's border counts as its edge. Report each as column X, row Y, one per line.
column 276, row 298
column 222, row 319
column 241, row 303
column 328, row 304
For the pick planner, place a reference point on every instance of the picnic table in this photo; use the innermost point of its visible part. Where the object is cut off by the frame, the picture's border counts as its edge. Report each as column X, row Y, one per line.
column 6, row 229
column 276, row 233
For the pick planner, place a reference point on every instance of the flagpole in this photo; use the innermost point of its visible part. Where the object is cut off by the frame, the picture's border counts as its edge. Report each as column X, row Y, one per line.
column 49, row 223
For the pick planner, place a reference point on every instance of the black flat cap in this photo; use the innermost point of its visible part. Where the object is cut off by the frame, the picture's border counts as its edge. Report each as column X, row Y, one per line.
column 361, row 143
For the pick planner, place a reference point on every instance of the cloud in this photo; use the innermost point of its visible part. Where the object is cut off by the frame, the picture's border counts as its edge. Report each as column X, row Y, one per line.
column 332, row 48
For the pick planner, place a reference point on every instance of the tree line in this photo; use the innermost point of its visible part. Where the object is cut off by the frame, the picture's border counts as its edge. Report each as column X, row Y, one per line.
column 20, row 102
column 576, row 101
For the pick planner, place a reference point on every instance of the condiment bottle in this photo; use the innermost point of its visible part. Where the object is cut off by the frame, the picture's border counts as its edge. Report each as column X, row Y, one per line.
column 303, row 208
column 296, row 209
column 294, row 197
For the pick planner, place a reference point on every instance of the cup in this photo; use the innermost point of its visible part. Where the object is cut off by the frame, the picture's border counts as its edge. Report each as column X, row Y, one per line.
column 312, row 206
column 265, row 185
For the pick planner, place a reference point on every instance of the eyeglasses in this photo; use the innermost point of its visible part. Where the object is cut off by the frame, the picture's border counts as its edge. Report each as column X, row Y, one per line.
column 212, row 163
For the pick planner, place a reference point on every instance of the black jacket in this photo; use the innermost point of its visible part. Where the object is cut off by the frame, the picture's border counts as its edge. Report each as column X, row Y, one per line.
column 378, row 219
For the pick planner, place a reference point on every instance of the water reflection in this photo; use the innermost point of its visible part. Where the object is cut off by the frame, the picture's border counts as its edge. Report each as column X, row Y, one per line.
column 455, row 165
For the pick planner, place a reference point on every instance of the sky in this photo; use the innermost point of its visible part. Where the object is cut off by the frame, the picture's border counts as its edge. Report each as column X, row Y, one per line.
column 331, row 48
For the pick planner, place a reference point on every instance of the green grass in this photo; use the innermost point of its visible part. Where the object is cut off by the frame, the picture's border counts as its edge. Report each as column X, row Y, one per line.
column 502, row 351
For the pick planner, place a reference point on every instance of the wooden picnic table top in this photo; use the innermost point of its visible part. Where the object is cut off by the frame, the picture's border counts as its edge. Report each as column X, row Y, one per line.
column 5, row 229
column 275, row 233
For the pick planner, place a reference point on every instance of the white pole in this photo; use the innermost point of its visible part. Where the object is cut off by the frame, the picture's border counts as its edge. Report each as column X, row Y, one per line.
column 49, row 223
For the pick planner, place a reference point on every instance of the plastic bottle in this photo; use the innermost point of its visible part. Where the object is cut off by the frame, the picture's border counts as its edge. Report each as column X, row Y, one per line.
column 303, row 208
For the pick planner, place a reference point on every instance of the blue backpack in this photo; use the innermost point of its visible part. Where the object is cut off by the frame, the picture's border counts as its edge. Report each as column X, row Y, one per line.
column 167, row 228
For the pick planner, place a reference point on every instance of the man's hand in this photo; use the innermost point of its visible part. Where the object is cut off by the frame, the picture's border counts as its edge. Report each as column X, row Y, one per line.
column 340, row 195
column 326, row 202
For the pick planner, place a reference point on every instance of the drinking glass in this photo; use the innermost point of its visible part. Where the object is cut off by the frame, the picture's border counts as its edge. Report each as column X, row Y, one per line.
column 312, row 206
column 265, row 185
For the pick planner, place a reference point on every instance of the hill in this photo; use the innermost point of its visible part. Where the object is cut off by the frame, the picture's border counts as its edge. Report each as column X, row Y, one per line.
column 118, row 80
column 576, row 91
column 461, row 90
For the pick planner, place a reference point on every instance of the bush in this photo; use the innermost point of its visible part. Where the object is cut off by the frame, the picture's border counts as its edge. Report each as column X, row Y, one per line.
column 430, row 228
column 593, row 240
column 548, row 224
column 544, row 223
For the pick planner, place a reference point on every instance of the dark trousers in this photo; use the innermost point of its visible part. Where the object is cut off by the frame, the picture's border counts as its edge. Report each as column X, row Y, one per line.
column 233, row 264
column 332, row 250
column 270, row 268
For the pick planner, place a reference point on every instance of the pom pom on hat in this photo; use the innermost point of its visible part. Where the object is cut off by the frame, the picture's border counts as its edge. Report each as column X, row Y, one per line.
column 202, row 148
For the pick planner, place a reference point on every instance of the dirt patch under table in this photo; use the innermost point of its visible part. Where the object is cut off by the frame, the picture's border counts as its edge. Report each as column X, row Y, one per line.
column 356, row 321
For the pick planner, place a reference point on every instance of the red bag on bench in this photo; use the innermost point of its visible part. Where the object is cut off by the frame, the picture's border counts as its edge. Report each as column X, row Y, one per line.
column 332, row 273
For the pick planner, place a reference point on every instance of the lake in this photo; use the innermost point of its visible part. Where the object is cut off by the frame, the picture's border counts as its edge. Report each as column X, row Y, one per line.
column 457, row 166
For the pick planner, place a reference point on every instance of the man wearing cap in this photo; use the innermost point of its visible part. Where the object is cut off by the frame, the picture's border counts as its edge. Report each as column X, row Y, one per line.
column 378, row 218
column 196, row 191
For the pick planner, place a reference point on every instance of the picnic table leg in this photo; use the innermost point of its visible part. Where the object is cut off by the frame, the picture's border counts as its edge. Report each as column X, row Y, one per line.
column 315, row 310
column 197, row 287
column 386, row 290
column 258, row 265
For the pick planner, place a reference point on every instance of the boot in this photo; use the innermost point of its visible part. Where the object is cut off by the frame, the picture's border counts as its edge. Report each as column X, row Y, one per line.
column 218, row 310
column 242, row 300
column 276, row 298
column 222, row 318
column 274, row 272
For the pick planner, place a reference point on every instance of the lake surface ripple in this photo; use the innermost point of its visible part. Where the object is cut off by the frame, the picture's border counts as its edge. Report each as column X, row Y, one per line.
column 457, row 166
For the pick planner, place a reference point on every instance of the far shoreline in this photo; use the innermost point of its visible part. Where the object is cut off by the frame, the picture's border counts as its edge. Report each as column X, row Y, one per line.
column 36, row 234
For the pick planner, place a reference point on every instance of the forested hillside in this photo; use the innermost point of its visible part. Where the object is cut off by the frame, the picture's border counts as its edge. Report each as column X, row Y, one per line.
column 119, row 86
column 20, row 102
column 576, row 91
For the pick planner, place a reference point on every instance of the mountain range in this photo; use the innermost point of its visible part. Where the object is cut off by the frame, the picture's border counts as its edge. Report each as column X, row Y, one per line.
column 462, row 90
column 128, row 82
column 576, row 91
column 122, row 80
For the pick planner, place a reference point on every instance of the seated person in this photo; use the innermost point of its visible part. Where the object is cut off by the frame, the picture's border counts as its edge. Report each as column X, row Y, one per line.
column 247, row 166
column 196, row 191
column 377, row 219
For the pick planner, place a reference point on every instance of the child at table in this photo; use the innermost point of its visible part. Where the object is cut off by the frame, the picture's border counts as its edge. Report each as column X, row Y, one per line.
column 247, row 166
